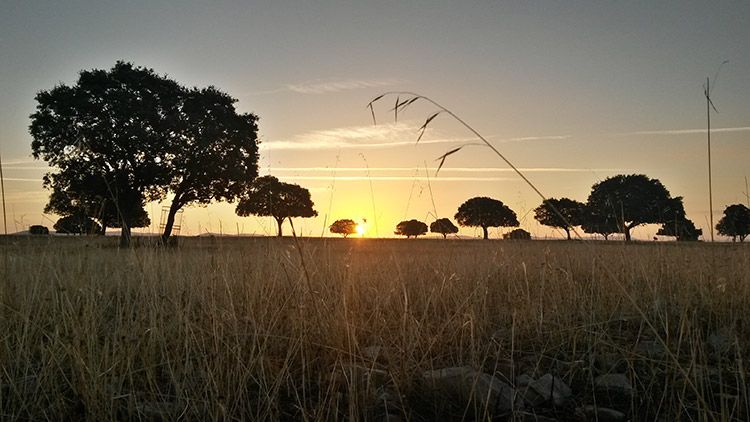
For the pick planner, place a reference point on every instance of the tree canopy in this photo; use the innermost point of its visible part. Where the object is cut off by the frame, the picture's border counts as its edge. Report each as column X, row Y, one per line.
column 269, row 197
column 485, row 212
column 629, row 201
column 443, row 226
column 128, row 135
column 735, row 223
column 411, row 228
column 343, row 227
column 215, row 157
column 562, row 213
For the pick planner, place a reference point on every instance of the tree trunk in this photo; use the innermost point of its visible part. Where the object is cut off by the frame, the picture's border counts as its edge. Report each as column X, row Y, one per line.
column 170, row 220
column 125, row 236
column 567, row 231
column 279, row 222
column 627, row 233
column 485, row 232
column 104, row 228
column 445, row 236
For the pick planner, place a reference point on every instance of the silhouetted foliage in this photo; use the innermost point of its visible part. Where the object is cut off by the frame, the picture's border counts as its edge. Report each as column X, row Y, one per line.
column 599, row 222
column 215, row 156
column 268, row 197
column 38, row 230
column 114, row 124
column 143, row 136
column 677, row 224
column 517, row 234
column 683, row 230
column 443, row 226
column 485, row 212
column 343, row 227
column 569, row 213
column 411, row 228
column 77, row 224
column 735, row 223
column 80, row 191
column 629, row 200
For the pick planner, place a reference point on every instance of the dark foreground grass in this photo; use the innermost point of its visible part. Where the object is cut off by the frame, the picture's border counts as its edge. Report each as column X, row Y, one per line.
column 268, row 329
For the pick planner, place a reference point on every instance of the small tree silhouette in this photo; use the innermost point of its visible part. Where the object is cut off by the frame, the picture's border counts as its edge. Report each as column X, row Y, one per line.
column 443, row 226
column 411, row 228
column 735, row 222
column 343, row 227
column 562, row 213
column 268, row 197
column 485, row 212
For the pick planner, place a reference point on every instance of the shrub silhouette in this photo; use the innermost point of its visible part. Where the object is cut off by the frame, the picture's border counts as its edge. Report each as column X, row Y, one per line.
column 38, row 230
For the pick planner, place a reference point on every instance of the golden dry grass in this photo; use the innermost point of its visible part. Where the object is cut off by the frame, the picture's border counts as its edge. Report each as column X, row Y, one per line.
column 254, row 329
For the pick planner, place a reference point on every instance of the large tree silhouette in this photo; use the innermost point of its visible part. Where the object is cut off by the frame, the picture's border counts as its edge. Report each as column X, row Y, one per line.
column 735, row 223
column 215, row 157
column 144, row 136
column 485, row 212
column 562, row 213
column 630, row 201
column 268, row 197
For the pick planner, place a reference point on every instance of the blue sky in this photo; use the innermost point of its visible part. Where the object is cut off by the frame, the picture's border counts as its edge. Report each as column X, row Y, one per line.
column 572, row 91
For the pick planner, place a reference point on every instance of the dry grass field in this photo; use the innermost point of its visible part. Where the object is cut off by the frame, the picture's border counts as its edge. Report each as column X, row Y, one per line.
column 345, row 329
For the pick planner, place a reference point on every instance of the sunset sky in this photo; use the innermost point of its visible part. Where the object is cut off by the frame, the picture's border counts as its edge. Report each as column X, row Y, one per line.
column 571, row 92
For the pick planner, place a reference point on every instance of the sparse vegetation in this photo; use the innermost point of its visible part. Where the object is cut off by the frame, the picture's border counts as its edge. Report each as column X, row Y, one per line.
column 227, row 328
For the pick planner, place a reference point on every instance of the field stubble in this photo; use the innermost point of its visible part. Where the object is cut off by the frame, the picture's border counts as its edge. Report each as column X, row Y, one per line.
column 344, row 329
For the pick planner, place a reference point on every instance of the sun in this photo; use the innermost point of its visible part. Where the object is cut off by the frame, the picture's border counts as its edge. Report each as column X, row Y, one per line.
column 361, row 229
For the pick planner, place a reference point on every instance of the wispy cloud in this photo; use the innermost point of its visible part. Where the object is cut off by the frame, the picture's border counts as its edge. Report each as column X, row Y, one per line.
column 324, row 86
column 20, row 179
column 399, row 178
column 685, row 131
column 24, row 163
column 442, row 170
column 386, row 135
